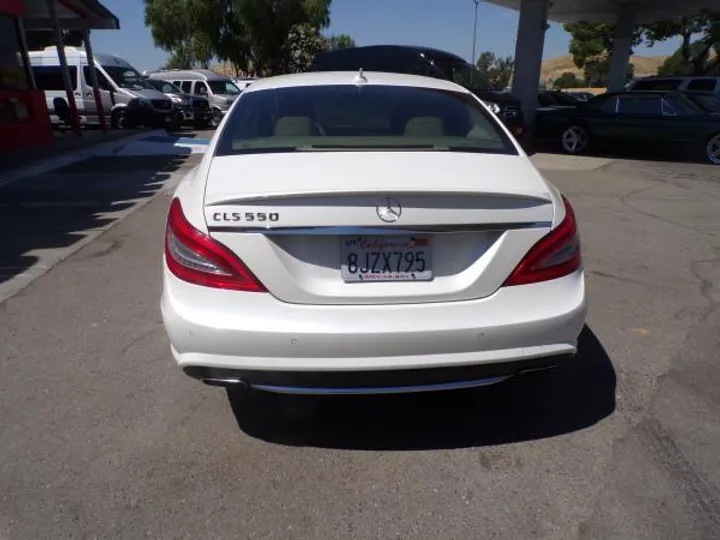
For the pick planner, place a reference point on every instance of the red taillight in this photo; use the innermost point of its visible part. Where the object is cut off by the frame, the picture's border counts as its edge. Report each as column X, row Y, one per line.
column 196, row 258
column 555, row 255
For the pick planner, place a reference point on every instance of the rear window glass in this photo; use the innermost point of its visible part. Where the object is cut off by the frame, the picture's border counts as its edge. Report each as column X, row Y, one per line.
column 50, row 77
column 350, row 117
column 642, row 105
column 702, row 84
column 706, row 102
column 658, row 84
column 165, row 87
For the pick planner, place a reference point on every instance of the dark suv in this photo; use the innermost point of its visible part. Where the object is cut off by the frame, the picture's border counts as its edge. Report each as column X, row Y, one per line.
column 430, row 63
column 190, row 109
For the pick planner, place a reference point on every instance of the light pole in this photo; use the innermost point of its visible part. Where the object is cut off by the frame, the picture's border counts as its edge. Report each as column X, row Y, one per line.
column 476, row 2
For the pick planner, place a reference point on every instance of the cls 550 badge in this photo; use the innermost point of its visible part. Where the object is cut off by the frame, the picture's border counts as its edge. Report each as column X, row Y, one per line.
column 249, row 217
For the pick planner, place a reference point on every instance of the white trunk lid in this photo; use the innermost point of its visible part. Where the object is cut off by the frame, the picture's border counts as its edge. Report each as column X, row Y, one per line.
column 392, row 227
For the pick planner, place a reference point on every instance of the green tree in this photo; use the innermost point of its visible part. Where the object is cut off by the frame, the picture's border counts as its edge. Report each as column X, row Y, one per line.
column 693, row 55
column 597, row 72
column 262, row 34
column 303, row 43
column 271, row 31
column 677, row 64
column 339, row 41
column 498, row 70
column 485, row 61
column 176, row 29
column 501, row 73
column 592, row 46
column 568, row 80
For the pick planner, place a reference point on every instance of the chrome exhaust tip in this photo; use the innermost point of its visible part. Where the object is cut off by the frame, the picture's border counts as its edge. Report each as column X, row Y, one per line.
column 225, row 382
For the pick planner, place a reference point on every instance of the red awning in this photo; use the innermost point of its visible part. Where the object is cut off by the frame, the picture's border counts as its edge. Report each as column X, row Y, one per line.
column 73, row 15
column 12, row 7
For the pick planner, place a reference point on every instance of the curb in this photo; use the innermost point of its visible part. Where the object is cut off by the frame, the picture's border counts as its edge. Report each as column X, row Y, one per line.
column 106, row 148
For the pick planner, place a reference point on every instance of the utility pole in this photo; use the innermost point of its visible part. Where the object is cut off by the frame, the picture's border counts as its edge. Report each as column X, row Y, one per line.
column 476, row 2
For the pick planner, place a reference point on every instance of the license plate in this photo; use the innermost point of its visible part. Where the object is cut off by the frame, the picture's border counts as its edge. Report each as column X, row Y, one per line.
column 386, row 258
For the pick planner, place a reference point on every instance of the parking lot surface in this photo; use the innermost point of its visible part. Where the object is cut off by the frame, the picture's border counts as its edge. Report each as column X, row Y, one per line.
column 103, row 437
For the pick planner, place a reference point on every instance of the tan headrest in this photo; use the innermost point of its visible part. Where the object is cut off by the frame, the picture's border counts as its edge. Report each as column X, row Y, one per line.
column 293, row 126
column 424, row 126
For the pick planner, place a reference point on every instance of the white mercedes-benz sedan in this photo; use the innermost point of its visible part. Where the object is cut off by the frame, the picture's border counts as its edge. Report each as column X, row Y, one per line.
column 360, row 233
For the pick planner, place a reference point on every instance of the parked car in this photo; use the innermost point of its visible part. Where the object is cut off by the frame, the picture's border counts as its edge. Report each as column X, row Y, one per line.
column 429, row 62
column 120, row 85
column 700, row 84
column 194, row 110
column 137, row 113
column 399, row 241
column 580, row 96
column 640, row 119
column 220, row 91
column 556, row 99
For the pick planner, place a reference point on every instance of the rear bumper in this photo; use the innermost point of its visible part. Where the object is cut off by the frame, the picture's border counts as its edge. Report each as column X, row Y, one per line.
column 150, row 117
column 373, row 382
column 255, row 338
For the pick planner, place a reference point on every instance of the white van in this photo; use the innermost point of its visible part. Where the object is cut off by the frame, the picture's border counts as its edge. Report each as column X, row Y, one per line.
column 119, row 82
column 219, row 90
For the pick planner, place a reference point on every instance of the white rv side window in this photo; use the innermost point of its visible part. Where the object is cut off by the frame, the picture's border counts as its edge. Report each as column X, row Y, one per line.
column 50, row 77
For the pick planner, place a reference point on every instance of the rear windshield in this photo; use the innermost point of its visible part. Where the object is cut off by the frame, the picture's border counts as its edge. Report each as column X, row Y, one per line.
column 465, row 75
column 127, row 77
column 707, row 102
column 657, row 84
column 350, row 117
column 165, row 87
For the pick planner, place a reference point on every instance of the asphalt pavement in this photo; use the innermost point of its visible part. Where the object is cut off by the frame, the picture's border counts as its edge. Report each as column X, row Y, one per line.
column 103, row 437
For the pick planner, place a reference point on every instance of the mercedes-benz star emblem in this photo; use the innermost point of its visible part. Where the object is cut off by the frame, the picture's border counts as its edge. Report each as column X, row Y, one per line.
column 389, row 210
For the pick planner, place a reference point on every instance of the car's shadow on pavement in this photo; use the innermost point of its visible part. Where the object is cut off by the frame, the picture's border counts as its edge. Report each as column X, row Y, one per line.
column 573, row 397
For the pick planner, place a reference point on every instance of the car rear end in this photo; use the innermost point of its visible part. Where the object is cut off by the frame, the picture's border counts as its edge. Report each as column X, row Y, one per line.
column 157, row 112
column 202, row 113
column 363, row 268
column 512, row 116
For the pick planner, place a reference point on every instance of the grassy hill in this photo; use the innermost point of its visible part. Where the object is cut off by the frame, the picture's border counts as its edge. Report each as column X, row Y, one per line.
column 644, row 66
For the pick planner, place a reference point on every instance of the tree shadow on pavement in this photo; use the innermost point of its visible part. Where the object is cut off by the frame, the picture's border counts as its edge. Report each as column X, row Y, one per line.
column 575, row 396
column 59, row 208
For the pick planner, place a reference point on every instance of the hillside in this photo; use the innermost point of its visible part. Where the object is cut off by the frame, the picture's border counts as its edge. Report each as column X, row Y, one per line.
column 644, row 66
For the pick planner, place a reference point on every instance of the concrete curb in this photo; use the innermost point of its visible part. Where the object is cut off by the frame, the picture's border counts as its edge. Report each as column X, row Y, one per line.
column 71, row 157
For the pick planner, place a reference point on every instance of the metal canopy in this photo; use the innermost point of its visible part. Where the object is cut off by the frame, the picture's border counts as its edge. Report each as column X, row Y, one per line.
column 606, row 11
column 73, row 15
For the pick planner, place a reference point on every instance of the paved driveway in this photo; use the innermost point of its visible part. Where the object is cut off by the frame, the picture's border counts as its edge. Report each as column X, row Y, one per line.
column 103, row 438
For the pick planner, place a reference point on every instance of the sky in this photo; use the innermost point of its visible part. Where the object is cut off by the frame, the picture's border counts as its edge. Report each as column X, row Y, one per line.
column 443, row 24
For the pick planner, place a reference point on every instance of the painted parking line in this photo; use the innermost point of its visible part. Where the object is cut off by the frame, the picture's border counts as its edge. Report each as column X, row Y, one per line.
column 178, row 140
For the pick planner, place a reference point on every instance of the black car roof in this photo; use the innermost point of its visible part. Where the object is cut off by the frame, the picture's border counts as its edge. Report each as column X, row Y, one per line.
column 435, row 54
